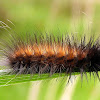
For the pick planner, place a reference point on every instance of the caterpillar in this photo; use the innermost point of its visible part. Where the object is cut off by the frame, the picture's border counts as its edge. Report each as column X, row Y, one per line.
column 31, row 54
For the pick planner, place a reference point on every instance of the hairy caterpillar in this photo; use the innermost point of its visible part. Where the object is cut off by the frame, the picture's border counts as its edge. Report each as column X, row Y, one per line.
column 30, row 54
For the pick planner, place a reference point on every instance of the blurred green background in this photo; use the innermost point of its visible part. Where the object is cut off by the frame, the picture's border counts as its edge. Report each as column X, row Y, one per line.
column 52, row 16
